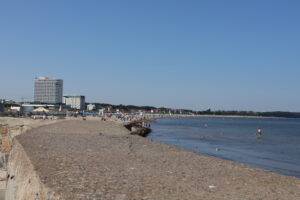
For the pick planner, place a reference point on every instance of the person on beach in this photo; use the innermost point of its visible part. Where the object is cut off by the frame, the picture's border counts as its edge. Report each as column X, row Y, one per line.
column 259, row 132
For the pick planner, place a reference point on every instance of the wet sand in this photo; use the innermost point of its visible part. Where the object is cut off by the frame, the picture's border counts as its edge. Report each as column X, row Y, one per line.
column 101, row 160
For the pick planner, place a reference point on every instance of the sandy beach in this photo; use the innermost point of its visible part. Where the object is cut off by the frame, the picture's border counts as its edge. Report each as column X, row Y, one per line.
column 91, row 159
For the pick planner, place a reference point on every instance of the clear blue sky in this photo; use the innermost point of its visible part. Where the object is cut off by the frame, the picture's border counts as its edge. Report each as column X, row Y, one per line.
column 241, row 55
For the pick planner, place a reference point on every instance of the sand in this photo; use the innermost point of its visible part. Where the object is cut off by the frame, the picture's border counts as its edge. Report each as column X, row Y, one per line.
column 83, row 160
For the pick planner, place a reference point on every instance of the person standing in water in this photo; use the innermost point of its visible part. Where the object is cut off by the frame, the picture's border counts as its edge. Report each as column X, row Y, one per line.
column 259, row 132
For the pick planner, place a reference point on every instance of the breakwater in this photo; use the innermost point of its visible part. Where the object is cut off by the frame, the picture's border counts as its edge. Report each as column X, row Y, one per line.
column 138, row 128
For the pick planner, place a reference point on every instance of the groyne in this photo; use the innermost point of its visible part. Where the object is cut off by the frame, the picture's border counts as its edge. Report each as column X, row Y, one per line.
column 137, row 128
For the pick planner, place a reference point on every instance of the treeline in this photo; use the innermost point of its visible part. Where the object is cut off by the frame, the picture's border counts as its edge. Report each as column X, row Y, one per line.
column 125, row 108
column 130, row 108
column 251, row 113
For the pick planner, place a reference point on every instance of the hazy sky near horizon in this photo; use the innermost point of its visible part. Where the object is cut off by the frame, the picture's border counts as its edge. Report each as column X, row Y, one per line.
column 241, row 55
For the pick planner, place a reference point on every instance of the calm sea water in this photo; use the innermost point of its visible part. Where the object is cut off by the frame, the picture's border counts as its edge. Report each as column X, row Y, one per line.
column 278, row 149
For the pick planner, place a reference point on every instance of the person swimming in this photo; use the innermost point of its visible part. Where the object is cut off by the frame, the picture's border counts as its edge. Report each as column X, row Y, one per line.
column 259, row 132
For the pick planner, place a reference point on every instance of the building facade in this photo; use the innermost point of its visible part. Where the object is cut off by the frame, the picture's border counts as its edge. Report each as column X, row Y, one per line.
column 75, row 101
column 91, row 107
column 48, row 90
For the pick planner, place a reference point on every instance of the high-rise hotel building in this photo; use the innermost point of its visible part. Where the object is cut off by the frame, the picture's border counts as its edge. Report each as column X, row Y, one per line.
column 48, row 90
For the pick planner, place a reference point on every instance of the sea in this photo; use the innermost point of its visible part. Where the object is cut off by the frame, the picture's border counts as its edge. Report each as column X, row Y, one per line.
column 235, row 139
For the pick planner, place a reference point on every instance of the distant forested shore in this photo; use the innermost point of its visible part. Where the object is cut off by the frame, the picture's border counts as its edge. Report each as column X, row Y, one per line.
column 128, row 108
column 251, row 113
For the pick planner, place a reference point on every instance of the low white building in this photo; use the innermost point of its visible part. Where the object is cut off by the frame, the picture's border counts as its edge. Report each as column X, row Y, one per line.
column 91, row 107
column 15, row 108
column 74, row 101
column 101, row 111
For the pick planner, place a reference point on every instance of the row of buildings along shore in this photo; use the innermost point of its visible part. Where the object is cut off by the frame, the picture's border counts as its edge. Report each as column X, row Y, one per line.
column 48, row 95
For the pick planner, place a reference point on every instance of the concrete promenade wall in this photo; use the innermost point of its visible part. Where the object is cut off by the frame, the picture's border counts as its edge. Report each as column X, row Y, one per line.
column 10, row 128
column 22, row 180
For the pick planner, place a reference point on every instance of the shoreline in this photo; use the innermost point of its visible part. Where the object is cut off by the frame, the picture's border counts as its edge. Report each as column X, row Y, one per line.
column 232, row 139
column 113, row 164
column 230, row 116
